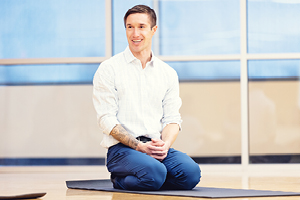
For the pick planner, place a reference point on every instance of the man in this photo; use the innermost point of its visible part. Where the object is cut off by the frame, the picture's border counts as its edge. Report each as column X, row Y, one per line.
column 136, row 97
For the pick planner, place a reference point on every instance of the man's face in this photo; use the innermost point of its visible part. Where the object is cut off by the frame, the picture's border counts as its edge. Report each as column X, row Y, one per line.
column 139, row 33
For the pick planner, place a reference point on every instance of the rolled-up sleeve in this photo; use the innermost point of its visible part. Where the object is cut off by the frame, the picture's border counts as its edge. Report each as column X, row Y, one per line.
column 172, row 102
column 105, row 98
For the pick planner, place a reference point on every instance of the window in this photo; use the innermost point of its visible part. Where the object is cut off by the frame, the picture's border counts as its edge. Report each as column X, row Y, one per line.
column 47, row 74
column 52, row 28
column 207, row 70
column 274, row 111
column 199, row 27
column 273, row 26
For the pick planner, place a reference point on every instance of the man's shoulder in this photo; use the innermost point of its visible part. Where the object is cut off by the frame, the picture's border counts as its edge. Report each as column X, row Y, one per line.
column 113, row 63
column 165, row 66
column 115, row 59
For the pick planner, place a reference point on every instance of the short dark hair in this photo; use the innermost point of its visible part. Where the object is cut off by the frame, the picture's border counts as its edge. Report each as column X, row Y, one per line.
column 142, row 9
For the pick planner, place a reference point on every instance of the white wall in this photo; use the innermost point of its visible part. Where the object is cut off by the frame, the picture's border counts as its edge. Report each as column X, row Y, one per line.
column 60, row 121
column 48, row 121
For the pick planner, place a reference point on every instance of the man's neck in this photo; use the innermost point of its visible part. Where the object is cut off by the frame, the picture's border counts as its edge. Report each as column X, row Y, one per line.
column 144, row 57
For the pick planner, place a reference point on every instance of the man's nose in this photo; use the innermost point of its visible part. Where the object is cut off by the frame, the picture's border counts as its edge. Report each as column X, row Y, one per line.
column 136, row 32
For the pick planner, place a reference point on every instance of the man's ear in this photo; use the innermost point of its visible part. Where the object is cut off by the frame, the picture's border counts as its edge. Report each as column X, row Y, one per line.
column 154, row 28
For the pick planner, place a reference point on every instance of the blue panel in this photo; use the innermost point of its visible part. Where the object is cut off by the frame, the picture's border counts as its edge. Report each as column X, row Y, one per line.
column 120, row 7
column 199, row 27
column 50, row 161
column 52, row 28
column 273, row 26
column 274, row 69
column 207, row 71
column 47, row 74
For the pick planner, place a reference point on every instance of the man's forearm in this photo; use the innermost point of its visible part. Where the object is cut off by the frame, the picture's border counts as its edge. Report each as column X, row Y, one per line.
column 169, row 133
column 120, row 134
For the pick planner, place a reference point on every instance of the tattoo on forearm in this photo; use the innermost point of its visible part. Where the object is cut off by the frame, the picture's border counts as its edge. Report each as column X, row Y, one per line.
column 120, row 134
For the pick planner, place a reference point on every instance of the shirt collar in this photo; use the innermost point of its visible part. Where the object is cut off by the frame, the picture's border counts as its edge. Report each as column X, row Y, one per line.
column 130, row 57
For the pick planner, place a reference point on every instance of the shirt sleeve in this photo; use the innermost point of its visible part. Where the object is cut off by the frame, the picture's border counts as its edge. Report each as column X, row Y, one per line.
column 172, row 102
column 105, row 98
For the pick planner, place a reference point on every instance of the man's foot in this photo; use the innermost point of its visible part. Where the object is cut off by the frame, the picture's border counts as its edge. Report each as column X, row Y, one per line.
column 114, row 181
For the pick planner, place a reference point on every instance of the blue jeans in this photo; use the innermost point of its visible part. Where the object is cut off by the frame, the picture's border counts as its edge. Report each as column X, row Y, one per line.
column 133, row 170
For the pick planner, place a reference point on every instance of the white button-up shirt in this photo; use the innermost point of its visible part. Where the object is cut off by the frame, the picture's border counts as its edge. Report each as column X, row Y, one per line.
column 143, row 101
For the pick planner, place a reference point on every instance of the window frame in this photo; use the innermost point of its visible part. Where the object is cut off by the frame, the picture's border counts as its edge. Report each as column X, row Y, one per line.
column 243, row 57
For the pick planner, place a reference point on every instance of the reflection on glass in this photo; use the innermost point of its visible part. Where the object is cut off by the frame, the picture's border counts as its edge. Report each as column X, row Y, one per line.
column 274, row 111
column 274, row 69
column 207, row 70
column 273, row 26
column 52, row 28
column 210, row 93
column 47, row 74
column 120, row 7
column 199, row 27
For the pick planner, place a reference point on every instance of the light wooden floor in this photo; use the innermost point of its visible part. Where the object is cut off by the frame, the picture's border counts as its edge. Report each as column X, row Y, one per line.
column 19, row 180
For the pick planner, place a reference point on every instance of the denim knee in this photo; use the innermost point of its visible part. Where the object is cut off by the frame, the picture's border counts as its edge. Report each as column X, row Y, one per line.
column 154, row 176
column 192, row 177
column 151, row 177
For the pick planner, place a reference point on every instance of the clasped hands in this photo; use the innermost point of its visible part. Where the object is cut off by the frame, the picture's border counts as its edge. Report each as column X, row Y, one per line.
column 155, row 148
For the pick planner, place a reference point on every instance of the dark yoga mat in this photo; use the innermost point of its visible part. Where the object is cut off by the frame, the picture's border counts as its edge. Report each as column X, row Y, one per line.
column 24, row 196
column 201, row 192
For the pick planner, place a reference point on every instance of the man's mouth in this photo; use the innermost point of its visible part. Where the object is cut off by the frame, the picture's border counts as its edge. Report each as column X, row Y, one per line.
column 137, row 41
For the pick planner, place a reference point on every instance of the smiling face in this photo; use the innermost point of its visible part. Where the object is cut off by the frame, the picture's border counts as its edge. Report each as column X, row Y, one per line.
column 139, row 33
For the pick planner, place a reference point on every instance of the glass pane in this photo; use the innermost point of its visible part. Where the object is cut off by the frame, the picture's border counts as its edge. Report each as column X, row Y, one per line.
column 199, row 27
column 47, row 74
column 274, row 69
column 211, row 131
column 207, row 70
column 120, row 7
column 274, row 111
column 52, row 28
column 273, row 26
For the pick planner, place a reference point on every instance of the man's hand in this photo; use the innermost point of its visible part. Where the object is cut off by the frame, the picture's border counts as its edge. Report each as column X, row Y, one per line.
column 160, row 150
column 156, row 148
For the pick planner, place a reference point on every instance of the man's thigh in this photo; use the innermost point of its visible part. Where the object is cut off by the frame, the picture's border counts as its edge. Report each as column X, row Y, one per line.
column 123, row 161
column 176, row 157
